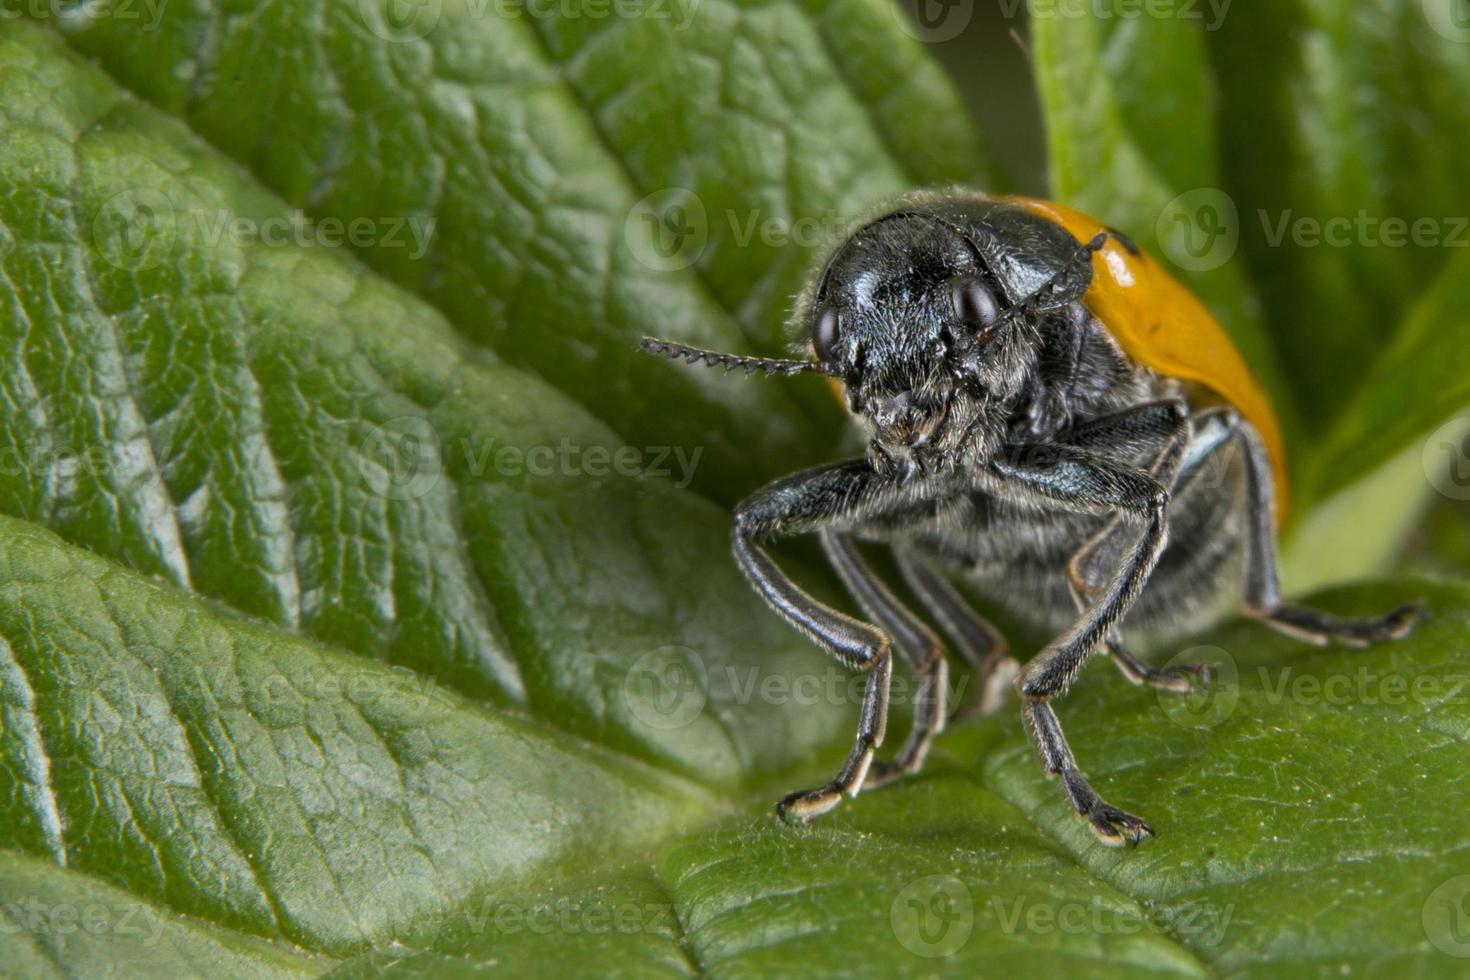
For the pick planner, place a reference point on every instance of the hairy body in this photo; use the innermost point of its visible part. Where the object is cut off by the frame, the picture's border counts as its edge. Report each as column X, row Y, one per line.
column 1017, row 552
column 1016, row 438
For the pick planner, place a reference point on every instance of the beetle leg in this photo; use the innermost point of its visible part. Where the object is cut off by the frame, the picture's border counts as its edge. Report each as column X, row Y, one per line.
column 1261, row 597
column 1111, row 825
column 805, row 502
column 1086, row 484
column 1067, row 286
column 915, row 640
column 1178, row 678
column 1161, row 426
column 1209, row 430
column 979, row 643
column 1142, row 431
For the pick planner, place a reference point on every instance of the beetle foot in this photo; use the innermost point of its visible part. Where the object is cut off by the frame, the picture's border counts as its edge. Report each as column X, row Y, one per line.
column 1321, row 628
column 1178, row 678
column 1112, row 826
column 806, row 805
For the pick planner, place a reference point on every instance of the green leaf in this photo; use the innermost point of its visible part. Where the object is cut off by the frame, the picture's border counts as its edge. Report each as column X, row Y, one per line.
column 1206, row 133
column 1357, row 113
column 525, row 143
column 1283, row 847
column 206, row 393
column 333, row 636
column 273, row 427
column 1263, row 805
column 60, row 924
column 1441, row 546
column 207, row 733
column 1364, row 111
column 1430, row 356
column 1128, row 105
column 269, row 785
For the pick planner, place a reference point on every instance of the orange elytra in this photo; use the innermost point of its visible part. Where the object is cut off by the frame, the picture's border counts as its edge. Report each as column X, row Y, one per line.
column 1162, row 325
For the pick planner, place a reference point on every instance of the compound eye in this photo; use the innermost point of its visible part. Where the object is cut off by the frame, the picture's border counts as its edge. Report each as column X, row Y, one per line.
column 824, row 335
column 973, row 305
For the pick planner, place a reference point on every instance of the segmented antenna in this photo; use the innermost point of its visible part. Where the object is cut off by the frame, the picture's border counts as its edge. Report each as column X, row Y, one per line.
column 695, row 355
column 1044, row 296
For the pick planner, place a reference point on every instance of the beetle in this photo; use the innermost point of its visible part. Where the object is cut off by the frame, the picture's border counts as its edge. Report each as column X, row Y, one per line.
column 1052, row 416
